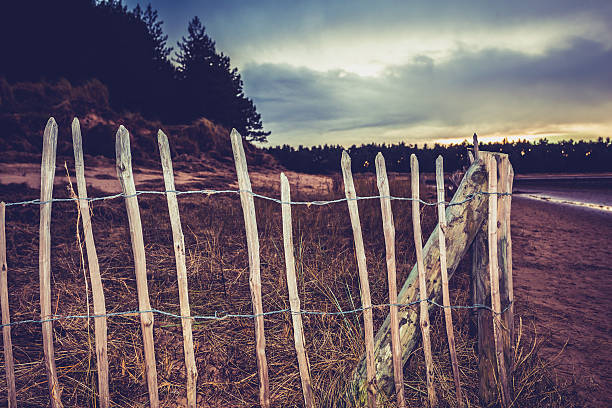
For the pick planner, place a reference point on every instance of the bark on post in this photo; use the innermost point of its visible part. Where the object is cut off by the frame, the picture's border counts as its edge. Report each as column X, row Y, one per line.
column 252, row 237
column 124, row 172
column 294, row 299
column 9, row 365
column 94, row 269
column 47, row 174
column 504, row 251
column 423, row 305
column 444, row 273
column 181, row 268
column 463, row 222
column 364, row 285
column 389, row 231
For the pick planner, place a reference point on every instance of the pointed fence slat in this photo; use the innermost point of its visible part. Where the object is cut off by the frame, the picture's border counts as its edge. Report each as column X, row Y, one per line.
column 494, row 277
column 124, row 173
column 294, row 299
column 424, row 312
column 250, row 223
column 444, row 273
column 382, row 182
column 9, row 364
column 364, row 285
column 97, row 290
column 181, row 268
column 47, row 174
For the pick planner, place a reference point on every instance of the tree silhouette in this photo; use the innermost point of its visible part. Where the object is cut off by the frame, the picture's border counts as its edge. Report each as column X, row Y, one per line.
column 81, row 40
column 213, row 86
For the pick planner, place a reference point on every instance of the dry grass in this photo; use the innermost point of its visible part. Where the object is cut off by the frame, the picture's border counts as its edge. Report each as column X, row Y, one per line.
column 218, row 281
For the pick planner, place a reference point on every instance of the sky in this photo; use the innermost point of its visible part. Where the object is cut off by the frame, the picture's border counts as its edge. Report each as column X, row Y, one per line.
column 353, row 72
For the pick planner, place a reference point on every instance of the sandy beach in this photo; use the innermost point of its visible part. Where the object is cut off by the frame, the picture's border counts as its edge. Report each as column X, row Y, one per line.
column 562, row 270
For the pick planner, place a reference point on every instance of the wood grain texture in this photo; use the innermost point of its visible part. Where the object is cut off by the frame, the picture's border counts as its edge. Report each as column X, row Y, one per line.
column 382, row 182
column 448, row 317
column 47, row 174
column 181, row 268
column 494, row 278
column 424, row 309
column 9, row 364
column 97, row 290
column 463, row 223
column 294, row 299
column 364, row 285
column 124, row 173
column 252, row 237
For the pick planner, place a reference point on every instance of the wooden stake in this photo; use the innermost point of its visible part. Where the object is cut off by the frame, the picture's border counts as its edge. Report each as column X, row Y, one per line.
column 250, row 224
column 47, row 174
column 476, row 149
column 94, row 269
column 443, row 272
column 294, row 299
column 389, row 231
column 424, row 313
column 181, row 269
column 124, row 172
column 364, row 285
column 494, row 277
column 9, row 365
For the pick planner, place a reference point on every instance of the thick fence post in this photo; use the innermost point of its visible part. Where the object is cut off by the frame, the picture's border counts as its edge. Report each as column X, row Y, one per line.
column 9, row 365
column 181, row 268
column 294, row 299
column 250, row 224
column 444, row 273
column 382, row 182
column 463, row 222
column 364, row 285
column 94, row 268
column 494, row 277
column 124, row 172
column 424, row 310
column 47, row 174
column 489, row 375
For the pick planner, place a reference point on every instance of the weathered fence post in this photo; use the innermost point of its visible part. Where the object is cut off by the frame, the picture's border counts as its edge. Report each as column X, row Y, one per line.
column 424, row 309
column 444, row 273
column 364, row 285
column 490, row 378
column 94, row 268
column 124, row 172
column 389, row 231
column 250, row 224
column 9, row 365
column 463, row 222
column 294, row 299
column 47, row 174
column 494, row 277
column 181, row 268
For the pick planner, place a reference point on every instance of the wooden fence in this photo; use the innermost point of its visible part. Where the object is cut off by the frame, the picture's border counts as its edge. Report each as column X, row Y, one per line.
column 484, row 193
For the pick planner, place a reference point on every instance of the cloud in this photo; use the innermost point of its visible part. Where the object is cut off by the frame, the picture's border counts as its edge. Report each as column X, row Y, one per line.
column 491, row 91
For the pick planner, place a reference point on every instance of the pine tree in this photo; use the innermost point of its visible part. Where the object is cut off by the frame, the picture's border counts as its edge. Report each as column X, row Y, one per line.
column 213, row 86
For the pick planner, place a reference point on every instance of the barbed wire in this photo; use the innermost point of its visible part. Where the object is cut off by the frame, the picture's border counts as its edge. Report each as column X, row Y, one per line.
column 222, row 315
column 209, row 192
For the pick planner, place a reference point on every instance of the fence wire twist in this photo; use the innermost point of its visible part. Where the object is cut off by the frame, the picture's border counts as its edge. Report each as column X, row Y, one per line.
column 209, row 192
column 222, row 315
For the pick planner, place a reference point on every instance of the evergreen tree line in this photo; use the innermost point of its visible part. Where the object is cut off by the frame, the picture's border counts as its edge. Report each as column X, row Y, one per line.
column 127, row 50
column 526, row 157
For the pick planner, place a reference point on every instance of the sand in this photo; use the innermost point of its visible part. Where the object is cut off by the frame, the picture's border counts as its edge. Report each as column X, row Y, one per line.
column 562, row 270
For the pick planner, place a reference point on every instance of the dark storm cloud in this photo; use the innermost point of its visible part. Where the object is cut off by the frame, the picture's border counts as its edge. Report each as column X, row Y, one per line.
column 488, row 88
